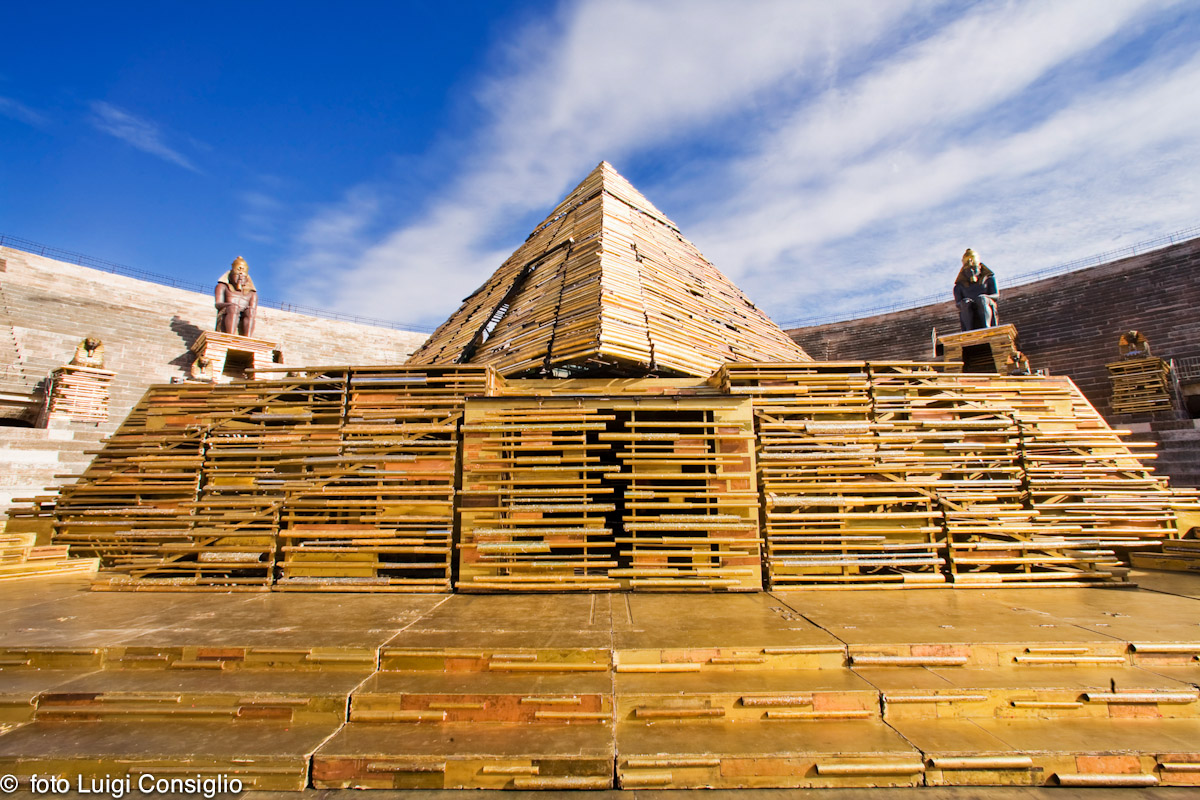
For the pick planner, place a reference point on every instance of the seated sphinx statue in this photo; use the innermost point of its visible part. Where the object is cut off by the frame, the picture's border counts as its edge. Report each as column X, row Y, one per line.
column 89, row 353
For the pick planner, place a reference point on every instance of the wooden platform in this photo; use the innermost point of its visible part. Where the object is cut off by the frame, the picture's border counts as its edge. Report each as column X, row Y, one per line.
column 1032, row 687
column 1182, row 555
column 995, row 344
column 79, row 393
column 1141, row 386
column 221, row 350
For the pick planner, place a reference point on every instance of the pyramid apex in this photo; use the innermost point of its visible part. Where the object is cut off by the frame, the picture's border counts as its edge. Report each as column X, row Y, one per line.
column 607, row 169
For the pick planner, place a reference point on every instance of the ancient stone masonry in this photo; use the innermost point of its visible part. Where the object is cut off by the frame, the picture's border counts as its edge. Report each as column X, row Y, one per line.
column 46, row 306
column 148, row 329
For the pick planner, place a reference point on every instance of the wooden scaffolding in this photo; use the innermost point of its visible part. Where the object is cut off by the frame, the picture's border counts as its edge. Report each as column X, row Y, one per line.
column 609, row 493
column 1141, row 386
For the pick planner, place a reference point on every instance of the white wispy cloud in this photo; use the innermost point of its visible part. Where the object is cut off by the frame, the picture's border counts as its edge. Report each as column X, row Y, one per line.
column 868, row 225
column 260, row 217
column 871, row 144
column 15, row 109
column 137, row 132
column 600, row 80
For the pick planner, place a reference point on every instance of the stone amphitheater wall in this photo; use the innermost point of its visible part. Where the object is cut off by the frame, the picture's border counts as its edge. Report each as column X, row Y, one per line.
column 48, row 306
column 1069, row 325
column 148, row 329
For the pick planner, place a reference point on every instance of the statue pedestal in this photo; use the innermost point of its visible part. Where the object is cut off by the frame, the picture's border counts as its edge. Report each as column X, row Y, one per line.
column 232, row 355
column 79, row 394
column 983, row 350
column 1141, row 386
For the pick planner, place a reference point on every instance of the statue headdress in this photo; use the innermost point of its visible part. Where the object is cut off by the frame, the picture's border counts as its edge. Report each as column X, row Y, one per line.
column 227, row 277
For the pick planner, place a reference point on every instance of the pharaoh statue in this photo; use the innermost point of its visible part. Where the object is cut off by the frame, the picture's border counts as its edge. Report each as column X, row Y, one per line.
column 236, row 300
column 89, row 353
column 975, row 294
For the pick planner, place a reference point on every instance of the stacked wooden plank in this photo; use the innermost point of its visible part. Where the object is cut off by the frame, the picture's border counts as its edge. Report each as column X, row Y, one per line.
column 838, row 508
column 326, row 478
column 80, row 393
column 893, row 474
column 532, row 281
column 606, row 493
column 259, row 439
column 131, row 506
column 868, row 475
column 963, row 442
column 940, row 437
column 381, row 517
column 690, row 516
column 1081, row 473
column 1180, row 555
column 1140, row 385
column 536, row 512
column 606, row 283
column 690, row 316
column 999, row 341
column 20, row 557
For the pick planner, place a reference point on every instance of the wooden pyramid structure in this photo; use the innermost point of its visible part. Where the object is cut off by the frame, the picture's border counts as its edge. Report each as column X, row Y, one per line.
column 606, row 284
column 608, row 412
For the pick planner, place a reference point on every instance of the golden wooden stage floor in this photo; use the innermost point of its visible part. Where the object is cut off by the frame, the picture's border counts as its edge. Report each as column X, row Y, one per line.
column 1003, row 687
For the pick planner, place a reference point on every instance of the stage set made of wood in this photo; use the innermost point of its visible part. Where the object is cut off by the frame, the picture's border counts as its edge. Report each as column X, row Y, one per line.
column 584, row 539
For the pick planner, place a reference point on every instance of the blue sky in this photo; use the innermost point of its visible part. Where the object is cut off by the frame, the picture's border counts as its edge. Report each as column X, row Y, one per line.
column 384, row 158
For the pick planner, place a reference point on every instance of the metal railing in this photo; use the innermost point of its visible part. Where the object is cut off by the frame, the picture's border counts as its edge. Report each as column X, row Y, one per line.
column 1187, row 369
column 1026, row 277
column 36, row 248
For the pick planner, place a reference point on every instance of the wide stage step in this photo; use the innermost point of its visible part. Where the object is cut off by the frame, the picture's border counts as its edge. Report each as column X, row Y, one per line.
column 1028, row 687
